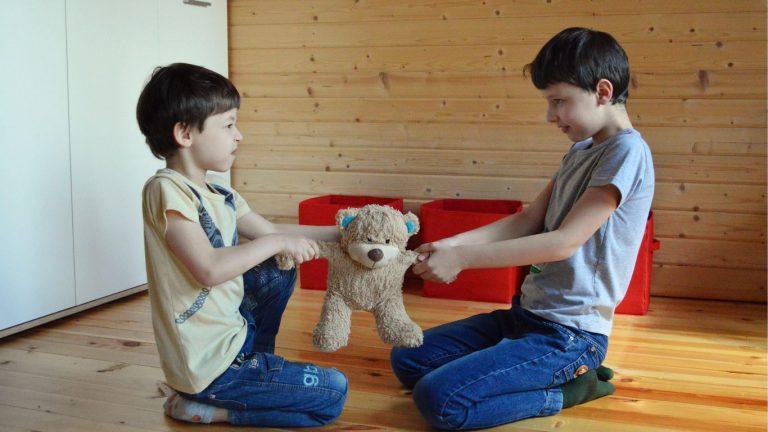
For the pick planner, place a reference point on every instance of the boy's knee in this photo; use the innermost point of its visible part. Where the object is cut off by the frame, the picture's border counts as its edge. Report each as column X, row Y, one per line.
column 269, row 266
column 435, row 405
column 338, row 382
column 337, row 386
column 267, row 277
column 404, row 367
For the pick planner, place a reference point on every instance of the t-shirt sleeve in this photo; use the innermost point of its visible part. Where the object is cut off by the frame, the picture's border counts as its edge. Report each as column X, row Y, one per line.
column 622, row 166
column 163, row 195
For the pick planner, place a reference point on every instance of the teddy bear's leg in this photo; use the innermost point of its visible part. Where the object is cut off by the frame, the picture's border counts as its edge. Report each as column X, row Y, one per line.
column 395, row 326
column 332, row 331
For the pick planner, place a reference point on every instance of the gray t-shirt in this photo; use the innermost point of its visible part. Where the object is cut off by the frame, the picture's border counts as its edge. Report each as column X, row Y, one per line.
column 582, row 291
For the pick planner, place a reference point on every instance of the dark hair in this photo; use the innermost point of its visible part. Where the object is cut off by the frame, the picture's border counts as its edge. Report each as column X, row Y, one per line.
column 582, row 57
column 181, row 93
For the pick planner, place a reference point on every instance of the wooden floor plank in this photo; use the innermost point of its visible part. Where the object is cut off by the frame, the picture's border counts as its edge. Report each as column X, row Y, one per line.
column 686, row 366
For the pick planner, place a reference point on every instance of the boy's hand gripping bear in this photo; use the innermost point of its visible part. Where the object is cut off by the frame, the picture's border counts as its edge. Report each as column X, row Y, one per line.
column 366, row 271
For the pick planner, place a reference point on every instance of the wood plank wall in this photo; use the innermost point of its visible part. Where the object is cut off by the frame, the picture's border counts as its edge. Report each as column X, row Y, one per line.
column 425, row 99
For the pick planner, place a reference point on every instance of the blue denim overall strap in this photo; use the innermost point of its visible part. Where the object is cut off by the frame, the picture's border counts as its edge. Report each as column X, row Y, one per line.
column 213, row 233
column 214, row 236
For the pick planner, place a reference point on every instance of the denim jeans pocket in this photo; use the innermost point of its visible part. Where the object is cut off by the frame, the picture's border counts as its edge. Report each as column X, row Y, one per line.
column 222, row 397
column 273, row 364
column 224, row 391
column 246, row 373
column 590, row 356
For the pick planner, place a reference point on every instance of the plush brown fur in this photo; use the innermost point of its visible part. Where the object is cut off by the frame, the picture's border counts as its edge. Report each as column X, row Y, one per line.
column 366, row 271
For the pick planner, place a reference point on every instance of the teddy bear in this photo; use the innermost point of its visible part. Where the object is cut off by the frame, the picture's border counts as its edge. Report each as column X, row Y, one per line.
column 365, row 272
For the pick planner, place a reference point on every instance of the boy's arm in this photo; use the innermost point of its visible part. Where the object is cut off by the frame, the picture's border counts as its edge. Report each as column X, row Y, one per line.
column 252, row 225
column 211, row 266
column 590, row 212
column 527, row 222
column 319, row 233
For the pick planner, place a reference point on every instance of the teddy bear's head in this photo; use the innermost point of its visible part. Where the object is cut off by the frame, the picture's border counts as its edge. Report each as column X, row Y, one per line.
column 374, row 235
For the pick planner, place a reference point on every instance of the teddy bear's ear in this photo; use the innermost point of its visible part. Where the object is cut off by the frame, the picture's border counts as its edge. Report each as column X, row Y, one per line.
column 345, row 216
column 412, row 223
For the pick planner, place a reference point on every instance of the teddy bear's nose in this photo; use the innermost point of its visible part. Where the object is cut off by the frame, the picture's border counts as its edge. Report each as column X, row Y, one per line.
column 375, row 255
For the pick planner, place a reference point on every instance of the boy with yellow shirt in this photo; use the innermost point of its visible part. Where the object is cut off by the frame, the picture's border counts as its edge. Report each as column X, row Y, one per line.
column 217, row 304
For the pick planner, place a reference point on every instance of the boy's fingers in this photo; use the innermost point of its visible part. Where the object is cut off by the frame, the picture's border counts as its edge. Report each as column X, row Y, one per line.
column 425, row 248
column 418, row 269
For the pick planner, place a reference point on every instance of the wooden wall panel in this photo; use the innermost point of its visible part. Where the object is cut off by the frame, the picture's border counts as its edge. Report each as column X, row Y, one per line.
column 260, row 12
column 425, row 99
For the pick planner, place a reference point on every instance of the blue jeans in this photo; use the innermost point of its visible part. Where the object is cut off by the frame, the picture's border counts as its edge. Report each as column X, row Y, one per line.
column 262, row 389
column 494, row 368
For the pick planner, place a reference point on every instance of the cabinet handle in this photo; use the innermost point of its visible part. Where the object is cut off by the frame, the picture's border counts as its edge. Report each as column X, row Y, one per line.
column 197, row 3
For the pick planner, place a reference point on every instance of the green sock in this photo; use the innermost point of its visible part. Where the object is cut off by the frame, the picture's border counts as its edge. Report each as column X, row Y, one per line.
column 585, row 388
column 604, row 373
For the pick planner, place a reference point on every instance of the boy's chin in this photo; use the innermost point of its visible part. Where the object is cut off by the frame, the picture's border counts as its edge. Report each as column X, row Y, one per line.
column 221, row 169
column 225, row 166
column 577, row 137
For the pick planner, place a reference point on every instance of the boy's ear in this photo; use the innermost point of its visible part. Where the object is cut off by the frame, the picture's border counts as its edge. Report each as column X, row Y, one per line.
column 604, row 91
column 182, row 133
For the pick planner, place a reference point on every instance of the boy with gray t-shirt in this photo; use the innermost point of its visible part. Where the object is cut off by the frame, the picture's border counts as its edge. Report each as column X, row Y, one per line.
column 581, row 235
column 582, row 291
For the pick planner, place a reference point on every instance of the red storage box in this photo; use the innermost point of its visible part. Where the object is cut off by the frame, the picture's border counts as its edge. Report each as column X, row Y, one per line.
column 447, row 217
column 639, row 292
column 322, row 211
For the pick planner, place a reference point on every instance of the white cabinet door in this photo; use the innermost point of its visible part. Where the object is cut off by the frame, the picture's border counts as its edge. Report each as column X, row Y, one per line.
column 112, row 50
column 36, row 260
column 194, row 33
column 205, row 46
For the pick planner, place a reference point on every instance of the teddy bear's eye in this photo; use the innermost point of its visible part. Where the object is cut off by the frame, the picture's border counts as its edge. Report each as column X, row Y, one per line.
column 387, row 241
column 369, row 239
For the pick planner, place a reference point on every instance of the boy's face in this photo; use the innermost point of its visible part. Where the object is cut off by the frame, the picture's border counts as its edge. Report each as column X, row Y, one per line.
column 214, row 148
column 574, row 110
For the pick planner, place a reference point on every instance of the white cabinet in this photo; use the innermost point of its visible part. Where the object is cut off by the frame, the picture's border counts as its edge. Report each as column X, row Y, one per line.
column 194, row 34
column 74, row 161
column 36, row 258
column 111, row 52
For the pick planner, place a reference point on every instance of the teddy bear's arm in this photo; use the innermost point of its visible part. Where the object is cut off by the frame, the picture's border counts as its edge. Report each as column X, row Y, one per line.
column 410, row 257
column 329, row 250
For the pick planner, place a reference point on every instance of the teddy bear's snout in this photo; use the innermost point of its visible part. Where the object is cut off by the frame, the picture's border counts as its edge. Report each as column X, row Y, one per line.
column 375, row 255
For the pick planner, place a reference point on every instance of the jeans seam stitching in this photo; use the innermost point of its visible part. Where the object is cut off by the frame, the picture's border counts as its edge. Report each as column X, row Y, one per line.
column 442, row 408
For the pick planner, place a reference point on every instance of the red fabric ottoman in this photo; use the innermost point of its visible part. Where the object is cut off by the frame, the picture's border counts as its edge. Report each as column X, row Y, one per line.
column 446, row 217
column 638, row 295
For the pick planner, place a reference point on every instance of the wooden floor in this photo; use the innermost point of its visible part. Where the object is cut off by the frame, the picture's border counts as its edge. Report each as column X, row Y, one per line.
column 687, row 365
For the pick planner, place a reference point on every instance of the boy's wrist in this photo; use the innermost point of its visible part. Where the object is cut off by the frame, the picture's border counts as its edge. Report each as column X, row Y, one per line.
column 462, row 256
column 449, row 242
column 277, row 243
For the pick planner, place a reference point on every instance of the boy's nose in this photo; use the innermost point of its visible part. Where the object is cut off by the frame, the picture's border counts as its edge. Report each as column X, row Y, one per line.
column 551, row 117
